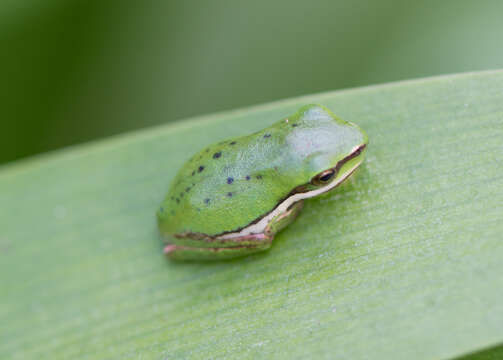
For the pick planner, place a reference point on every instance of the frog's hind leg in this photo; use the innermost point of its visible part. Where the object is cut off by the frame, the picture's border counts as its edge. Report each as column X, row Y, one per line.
column 249, row 244
column 237, row 246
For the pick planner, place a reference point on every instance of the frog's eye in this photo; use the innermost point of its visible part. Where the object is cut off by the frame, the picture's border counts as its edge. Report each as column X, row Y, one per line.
column 323, row 177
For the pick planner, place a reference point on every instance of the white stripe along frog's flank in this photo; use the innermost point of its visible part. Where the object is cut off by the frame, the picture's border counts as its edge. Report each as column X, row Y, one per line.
column 231, row 198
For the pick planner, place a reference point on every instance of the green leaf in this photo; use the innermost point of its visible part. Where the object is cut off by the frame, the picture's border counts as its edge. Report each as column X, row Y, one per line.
column 495, row 353
column 403, row 262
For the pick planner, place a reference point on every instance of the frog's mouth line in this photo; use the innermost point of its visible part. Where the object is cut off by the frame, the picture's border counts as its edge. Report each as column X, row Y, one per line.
column 298, row 194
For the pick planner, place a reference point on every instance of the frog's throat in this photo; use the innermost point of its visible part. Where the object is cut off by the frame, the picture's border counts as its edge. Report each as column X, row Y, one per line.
column 260, row 226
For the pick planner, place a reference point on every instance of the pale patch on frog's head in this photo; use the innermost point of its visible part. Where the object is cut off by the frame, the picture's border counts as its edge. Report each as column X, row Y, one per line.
column 324, row 146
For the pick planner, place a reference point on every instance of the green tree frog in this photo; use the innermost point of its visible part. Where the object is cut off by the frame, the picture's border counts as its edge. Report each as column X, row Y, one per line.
column 232, row 197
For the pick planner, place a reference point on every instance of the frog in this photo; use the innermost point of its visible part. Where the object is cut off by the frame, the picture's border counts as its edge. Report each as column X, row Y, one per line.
column 232, row 198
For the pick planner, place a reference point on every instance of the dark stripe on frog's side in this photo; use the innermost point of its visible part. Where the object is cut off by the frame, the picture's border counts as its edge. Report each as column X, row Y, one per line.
column 299, row 189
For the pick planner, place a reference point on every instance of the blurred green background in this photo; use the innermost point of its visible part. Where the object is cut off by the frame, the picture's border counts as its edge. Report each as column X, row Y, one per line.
column 72, row 71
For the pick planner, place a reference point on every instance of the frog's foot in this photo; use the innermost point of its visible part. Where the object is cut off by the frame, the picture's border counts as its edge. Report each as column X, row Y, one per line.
column 243, row 246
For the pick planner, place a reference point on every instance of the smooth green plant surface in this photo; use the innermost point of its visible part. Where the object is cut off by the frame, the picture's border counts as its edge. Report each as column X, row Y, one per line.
column 495, row 353
column 403, row 262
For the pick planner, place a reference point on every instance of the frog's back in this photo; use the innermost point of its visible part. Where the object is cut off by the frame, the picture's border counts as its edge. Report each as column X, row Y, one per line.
column 227, row 185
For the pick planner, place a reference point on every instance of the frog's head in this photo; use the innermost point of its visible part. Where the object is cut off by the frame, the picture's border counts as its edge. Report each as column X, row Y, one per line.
column 326, row 148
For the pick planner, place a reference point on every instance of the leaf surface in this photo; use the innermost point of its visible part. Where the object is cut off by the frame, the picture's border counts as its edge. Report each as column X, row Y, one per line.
column 405, row 261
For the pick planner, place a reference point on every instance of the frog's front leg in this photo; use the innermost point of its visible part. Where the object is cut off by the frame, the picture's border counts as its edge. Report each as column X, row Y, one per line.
column 282, row 220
